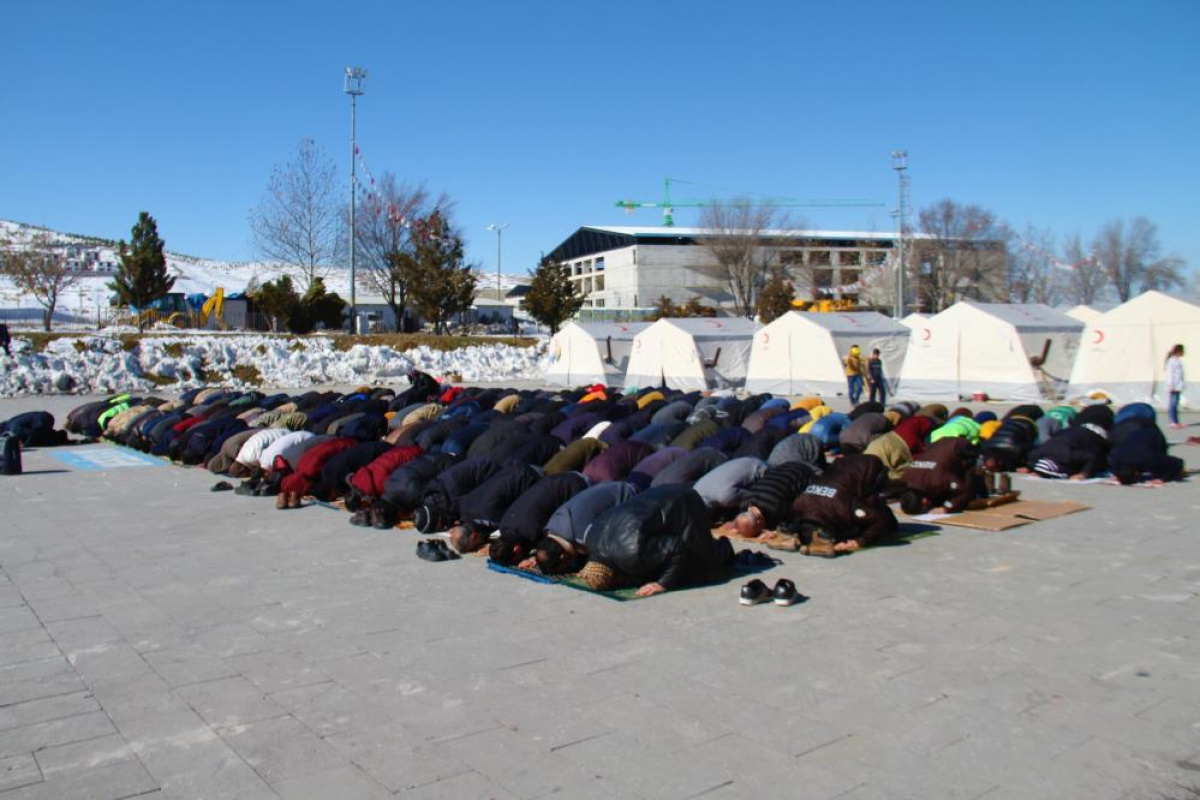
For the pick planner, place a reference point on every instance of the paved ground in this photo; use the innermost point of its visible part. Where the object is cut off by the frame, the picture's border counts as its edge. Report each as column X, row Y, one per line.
column 159, row 640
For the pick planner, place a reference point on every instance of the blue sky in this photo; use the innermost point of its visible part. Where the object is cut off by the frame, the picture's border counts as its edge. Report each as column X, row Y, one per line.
column 542, row 115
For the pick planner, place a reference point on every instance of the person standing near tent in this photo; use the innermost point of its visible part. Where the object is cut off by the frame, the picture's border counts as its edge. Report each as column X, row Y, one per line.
column 855, row 369
column 1174, row 369
column 875, row 377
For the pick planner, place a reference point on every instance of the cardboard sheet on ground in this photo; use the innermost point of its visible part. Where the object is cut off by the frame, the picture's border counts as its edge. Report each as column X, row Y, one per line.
column 1007, row 516
column 908, row 533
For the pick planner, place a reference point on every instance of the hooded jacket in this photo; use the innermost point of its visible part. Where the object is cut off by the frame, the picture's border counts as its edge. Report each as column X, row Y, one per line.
column 307, row 471
column 1078, row 450
column 726, row 487
column 444, row 491
column 405, row 487
column 615, row 463
column 846, row 500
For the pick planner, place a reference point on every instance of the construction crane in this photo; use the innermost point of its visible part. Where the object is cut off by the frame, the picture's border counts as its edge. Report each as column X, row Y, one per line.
column 668, row 207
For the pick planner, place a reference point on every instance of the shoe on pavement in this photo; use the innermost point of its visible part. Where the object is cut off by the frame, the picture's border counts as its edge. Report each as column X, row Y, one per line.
column 754, row 592
column 281, row 500
column 361, row 518
column 821, row 544
column 223, row 486
column 784, row 593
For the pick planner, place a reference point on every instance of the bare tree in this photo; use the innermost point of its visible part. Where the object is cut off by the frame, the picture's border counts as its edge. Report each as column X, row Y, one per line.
column 742, row 252
column 384, row 239
column 1131, row 258
column 299, row 222
column 958, row 254
column 1086, row 279
column 1035, row 274
column 40, row 269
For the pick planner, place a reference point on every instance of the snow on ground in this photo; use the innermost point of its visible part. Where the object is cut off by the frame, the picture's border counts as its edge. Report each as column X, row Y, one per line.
column 100, row 364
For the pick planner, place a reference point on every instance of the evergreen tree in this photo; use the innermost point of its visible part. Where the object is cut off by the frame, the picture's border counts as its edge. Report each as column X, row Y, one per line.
column 444, row 284
column 323, row 308
column 552, row 298
column 142, row 276
column 277, row 300
column 775, row 298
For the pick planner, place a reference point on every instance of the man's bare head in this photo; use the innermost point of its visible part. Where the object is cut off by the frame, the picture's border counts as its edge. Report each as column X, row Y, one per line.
column 466, row 539
column 750, row 523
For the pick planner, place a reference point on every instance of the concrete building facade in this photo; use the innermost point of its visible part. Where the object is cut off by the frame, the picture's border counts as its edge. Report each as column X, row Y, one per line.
column 623, row 271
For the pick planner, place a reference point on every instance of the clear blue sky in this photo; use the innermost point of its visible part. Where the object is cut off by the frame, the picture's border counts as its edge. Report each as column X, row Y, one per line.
column 541, row 115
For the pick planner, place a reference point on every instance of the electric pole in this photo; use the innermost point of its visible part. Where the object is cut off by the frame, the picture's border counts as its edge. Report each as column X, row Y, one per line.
column 356, row 79
column 900, row 164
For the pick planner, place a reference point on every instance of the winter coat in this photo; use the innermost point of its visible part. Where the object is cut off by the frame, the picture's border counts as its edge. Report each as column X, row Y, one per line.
column 525, row 519
column 615, row 463
column 776, row 491
column 574, row 457
column 798, row 447
column 307, row 471
column 334, row 479
column 662, row 535
column 893, row 451
column 691, row 437
column 220, row 463
column 689, row 468
column 846, row 500
column 659, row 435
column 855, row 437
column 943, row 473
column 1072, row 451
column 34, row 429
column 649, row 467
column 726, row 486
column 760, row 445
column 406, row 486
column 485, row 505
column 444, row 491
column 1009, row 446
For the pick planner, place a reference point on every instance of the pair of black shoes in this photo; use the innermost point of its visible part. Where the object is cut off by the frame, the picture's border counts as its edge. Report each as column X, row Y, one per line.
column 435, row 550
column 755, row 592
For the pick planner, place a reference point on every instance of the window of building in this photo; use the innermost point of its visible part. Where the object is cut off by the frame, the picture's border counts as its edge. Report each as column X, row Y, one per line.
column 819, row 258
column 599, row 265
column 851, row 258
column 598, row 283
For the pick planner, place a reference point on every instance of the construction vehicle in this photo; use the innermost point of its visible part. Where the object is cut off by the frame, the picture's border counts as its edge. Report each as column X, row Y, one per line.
column 668, row 206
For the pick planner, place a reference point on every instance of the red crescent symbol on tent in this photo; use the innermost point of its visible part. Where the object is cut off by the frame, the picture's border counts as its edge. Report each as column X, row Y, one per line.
column 1099, row 337
column 928, row 334
column 637, row 344
column 766, row 337
column 624, row 328
column 716, row 324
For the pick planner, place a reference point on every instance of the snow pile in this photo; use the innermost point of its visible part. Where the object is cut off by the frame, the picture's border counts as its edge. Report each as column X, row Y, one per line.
column 101, row 364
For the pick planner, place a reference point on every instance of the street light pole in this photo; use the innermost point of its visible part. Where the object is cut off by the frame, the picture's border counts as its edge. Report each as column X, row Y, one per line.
column 900, row 164
column 499, row 229
column 356, row 79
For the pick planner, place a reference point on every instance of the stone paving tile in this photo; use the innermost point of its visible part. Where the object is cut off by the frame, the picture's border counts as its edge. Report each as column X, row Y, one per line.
column 282, row 748
column 83, row 756
column 226, row 702
column 45, row 709
column 341, row 782
column 124, row 779
column 18, row 771
column 78, row 728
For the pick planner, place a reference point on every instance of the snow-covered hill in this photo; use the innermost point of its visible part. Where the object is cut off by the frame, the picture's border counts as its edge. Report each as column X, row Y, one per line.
column 88, row 299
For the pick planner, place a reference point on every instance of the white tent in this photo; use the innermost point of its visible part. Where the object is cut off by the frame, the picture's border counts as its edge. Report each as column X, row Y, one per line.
column 1084, row 314
column 583, row 353
column 914, row 320
column 1124, row 351
column 802, row 353
column 986, row 348
column 693, row 353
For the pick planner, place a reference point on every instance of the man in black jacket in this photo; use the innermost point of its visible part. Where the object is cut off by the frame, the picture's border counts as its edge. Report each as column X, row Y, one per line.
column 659, row 540
column 480, row 510
column 941, row 479
column 1139, row 453
column 523, row 524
